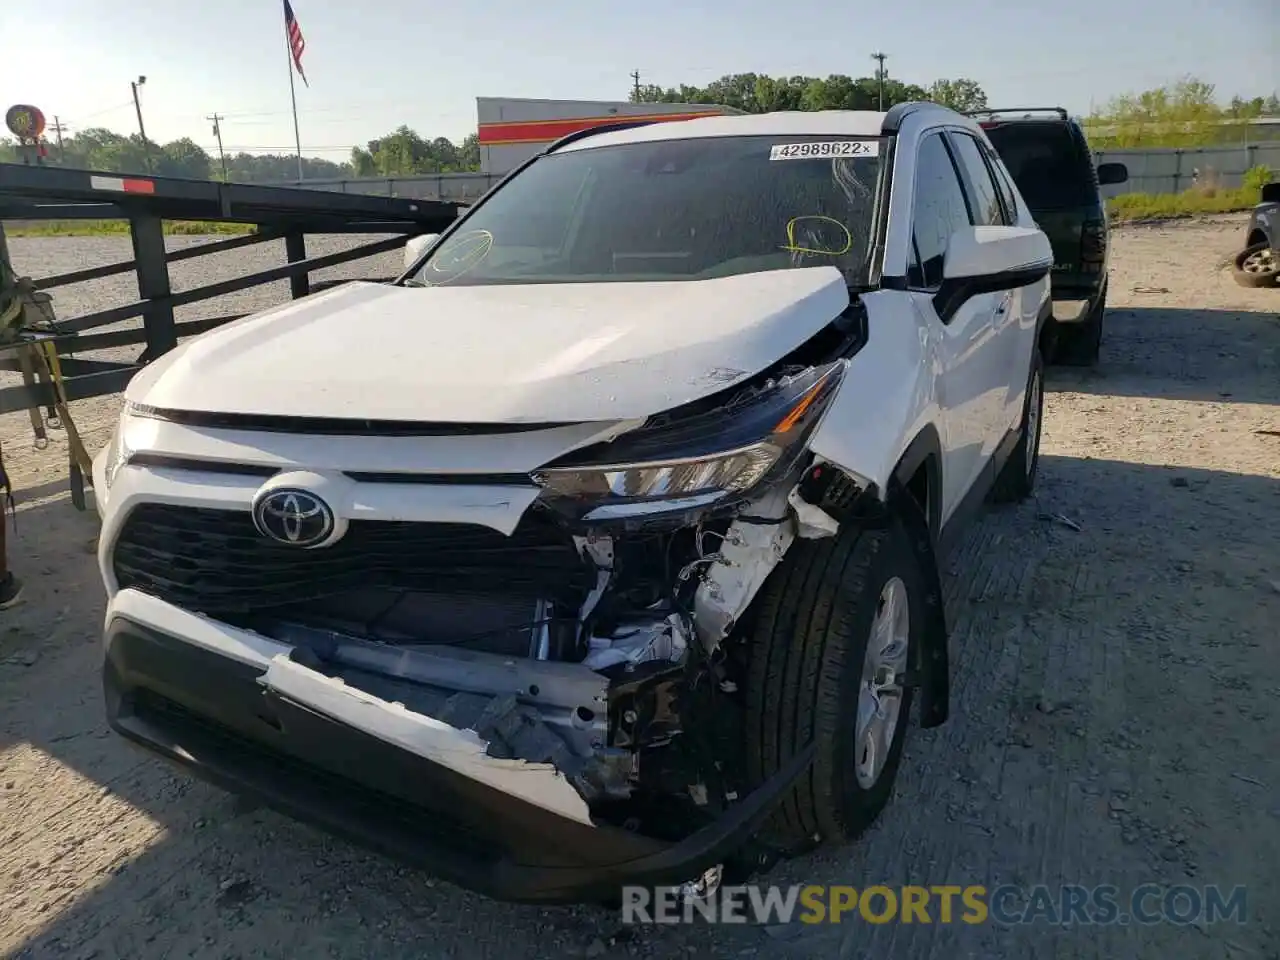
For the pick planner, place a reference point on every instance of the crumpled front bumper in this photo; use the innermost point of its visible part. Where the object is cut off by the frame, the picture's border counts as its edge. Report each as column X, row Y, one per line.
column 351, row 770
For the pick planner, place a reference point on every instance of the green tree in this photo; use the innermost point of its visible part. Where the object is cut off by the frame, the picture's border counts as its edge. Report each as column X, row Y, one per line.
column 469, row 152
column 758, row 93
column 184, row 158
column 959, row 94
column 1184, row 113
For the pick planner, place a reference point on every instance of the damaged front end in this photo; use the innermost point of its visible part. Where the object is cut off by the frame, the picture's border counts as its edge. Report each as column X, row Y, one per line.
column 583, row 666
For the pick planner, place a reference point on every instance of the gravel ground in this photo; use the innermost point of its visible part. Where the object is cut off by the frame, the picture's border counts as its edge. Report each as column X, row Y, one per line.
column 1117, row 692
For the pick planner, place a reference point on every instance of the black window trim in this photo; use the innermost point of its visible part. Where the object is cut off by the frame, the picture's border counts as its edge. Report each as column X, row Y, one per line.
column 941, row 132
column 969, row 189
column 1002, row 177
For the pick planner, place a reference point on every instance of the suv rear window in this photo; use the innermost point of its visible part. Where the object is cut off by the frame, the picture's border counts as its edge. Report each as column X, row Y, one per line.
column 1046, row 163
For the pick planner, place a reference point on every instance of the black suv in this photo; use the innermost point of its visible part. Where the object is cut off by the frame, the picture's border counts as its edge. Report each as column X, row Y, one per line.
column 1046, row 152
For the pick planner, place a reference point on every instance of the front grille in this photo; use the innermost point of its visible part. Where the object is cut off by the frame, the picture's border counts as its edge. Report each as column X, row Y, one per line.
column 216, row 562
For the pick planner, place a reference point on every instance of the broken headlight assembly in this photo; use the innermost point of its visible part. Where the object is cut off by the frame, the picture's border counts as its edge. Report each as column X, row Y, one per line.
column 696, row 456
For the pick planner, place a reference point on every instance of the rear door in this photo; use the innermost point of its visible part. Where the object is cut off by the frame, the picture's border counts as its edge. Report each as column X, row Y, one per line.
column 1013, row 333
column 971, row 381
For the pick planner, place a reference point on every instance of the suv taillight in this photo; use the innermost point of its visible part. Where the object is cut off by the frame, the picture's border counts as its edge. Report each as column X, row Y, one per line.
column 1093, row 244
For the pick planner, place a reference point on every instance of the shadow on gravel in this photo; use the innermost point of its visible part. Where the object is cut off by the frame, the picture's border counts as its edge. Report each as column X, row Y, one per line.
column 1182, row 354
column 225, row 880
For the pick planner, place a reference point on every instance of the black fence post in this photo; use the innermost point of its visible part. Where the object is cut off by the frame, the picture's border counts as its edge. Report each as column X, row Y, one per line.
column 295, row 251
column 153, row 284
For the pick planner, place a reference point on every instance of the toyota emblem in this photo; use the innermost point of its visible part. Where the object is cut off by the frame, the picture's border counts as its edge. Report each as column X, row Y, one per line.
column 293, row 517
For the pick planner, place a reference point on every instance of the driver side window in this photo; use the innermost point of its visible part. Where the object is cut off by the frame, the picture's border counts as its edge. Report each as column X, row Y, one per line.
column 938, row 210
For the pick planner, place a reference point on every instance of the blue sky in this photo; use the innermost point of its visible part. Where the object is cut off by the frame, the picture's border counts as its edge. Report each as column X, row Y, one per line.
column 373, row 66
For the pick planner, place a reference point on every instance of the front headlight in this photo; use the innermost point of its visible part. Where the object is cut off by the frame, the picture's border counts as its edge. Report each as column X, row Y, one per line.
column 118, row 450
column 697, row 456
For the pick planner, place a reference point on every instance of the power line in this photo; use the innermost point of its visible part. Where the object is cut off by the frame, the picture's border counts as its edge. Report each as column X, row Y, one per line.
column 99, row 113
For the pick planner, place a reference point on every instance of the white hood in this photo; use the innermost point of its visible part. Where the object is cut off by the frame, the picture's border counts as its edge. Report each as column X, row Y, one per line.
column 497, row 354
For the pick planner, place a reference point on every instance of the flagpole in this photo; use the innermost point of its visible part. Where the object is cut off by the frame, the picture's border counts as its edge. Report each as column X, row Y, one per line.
column 293, row 98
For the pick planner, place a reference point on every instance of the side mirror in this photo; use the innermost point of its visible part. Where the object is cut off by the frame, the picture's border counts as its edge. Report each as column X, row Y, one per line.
column 990, row 253
column 1270, row 192
column 988, row 260
column 416, row 246
column 1109, row 173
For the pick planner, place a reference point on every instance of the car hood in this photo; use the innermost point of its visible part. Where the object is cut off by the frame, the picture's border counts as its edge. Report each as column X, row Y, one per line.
column 534, row 353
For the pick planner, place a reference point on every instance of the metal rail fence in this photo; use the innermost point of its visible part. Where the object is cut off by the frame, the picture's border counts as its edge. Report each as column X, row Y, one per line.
column 1174, row 169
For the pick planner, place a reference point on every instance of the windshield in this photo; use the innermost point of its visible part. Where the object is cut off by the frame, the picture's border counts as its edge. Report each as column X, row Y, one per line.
column 671, row 210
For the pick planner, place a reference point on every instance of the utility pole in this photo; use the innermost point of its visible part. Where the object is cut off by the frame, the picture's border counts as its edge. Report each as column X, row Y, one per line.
column 58, row 127
column 635, row 77
column 880, row 73
column 217, row 132
column 137, row 106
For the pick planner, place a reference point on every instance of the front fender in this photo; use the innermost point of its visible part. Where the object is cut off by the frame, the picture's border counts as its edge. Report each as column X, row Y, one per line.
column 887, row 396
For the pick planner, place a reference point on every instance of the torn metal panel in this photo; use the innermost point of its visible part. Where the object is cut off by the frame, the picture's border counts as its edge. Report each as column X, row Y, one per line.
column 812, row 522
column 639, row 643
column 570, row 697
column 463, row 751
column 751, row 548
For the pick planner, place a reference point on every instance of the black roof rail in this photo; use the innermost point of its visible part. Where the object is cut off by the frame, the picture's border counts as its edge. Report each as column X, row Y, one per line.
column 899, row 112
column 1022, row 112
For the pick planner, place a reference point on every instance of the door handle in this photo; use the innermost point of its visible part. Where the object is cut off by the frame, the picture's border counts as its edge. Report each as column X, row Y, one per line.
column 1004, row 305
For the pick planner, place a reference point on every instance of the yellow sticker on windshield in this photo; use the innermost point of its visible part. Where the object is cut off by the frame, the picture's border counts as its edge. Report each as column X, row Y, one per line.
column 825, row 150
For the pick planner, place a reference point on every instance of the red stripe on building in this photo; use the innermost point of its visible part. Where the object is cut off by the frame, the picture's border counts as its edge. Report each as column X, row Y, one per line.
column 544, row 131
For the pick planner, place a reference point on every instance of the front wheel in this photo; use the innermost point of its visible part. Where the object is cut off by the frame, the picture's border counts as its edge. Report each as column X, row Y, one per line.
column 1256, row 266
column 838, row 623
column 1017, row 477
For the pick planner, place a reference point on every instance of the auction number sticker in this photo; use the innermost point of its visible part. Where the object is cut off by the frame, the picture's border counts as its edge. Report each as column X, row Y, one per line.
column 825, row 150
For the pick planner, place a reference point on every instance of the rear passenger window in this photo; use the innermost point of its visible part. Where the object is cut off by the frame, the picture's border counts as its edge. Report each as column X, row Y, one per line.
column 938, row 212
column 1046, row 162
column 983, row 196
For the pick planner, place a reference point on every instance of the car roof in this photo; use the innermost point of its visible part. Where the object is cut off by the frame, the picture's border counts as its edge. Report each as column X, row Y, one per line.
column 792, row 123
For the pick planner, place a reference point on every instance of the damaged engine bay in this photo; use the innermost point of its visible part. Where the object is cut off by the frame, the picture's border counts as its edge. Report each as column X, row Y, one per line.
column 600, row 639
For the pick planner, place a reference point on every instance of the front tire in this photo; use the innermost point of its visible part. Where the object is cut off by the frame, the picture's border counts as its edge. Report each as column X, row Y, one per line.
column 837, row 625
column 1017, row 477
column 1256, row 266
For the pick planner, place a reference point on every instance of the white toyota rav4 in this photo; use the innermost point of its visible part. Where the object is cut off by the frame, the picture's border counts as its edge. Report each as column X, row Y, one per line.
column 602, row 547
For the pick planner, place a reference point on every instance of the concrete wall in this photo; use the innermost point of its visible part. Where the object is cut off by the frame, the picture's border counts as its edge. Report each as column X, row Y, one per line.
column 461, row 187
column 1150, row 171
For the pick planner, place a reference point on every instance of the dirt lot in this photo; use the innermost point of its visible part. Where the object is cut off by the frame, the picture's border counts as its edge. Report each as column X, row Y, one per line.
column 1117, row 695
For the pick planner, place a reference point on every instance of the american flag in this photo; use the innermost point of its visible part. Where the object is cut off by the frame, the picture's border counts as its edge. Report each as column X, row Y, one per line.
column 296, row 43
